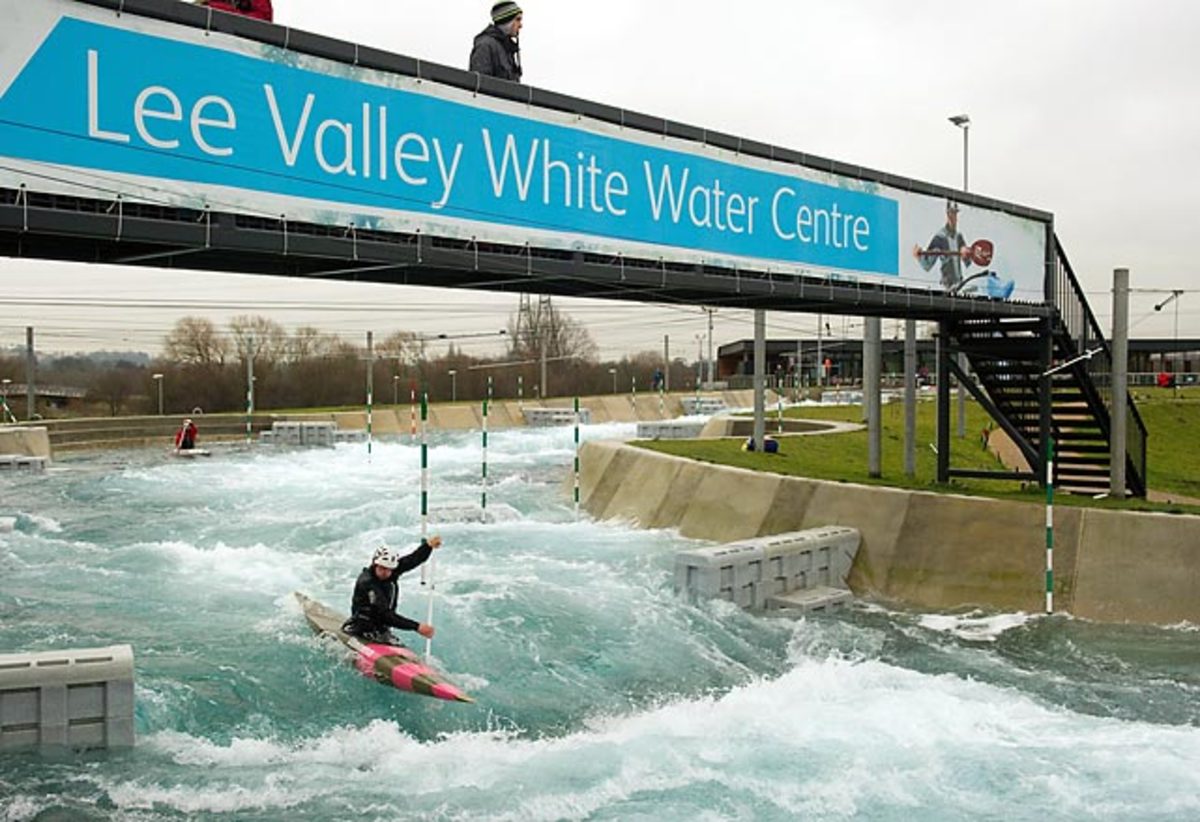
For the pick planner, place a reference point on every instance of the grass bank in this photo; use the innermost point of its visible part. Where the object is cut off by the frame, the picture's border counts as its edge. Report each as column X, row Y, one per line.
column 1174, row 446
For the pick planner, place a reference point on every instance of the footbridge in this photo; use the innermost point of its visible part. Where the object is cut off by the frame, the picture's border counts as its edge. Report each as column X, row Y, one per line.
column 256, row 148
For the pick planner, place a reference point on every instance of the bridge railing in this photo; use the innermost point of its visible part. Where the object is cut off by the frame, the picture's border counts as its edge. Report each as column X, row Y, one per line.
column 1081, row 325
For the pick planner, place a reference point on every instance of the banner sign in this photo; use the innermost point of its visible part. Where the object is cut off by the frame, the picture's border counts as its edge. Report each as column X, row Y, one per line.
column 97, row 104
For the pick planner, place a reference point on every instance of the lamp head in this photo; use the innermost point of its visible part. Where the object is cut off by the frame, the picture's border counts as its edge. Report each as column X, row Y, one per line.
column 961, row 120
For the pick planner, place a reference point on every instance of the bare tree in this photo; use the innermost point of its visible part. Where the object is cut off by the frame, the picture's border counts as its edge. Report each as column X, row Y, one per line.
column 562, row 336
column 405, row 347
column 195, row 341
column 259, row 338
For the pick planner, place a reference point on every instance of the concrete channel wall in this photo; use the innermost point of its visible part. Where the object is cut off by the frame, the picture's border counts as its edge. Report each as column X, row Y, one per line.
column 934, row 551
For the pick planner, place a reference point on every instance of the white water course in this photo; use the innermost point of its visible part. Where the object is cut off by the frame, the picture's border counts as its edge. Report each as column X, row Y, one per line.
column 601, row 694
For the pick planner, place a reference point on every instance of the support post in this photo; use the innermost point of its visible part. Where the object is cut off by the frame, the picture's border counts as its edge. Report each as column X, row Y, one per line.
column 910, row 398
column 943, row 406
column 1046, row 395
column 760, row 367
column 1120, row 383
column 30, row 375
column 872, row 366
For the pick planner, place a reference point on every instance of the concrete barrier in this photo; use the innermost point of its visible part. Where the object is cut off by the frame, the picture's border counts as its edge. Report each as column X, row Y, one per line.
column 75, row 698
column 927, row 550
column 27, row 441
column 669, row 430
column 556, row 416
column 703, row 405
column 20, row 462
column 802, row 571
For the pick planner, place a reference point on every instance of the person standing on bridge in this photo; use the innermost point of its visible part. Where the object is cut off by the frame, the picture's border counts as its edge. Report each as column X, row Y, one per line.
column 258, row 9
column 947, row 248
column 497, row 49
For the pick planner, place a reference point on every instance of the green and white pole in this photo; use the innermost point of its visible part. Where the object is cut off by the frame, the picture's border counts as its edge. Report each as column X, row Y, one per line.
column 633, row 394
column 484, row 479
column 662, row 401
column 249, row 393
column 370, row 387
column 427, row 580
column 1050, row 527
column 577, row 458
column 520, row 392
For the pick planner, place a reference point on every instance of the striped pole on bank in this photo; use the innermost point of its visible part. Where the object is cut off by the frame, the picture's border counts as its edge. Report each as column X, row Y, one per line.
column 1050, row 527
column 577, row 458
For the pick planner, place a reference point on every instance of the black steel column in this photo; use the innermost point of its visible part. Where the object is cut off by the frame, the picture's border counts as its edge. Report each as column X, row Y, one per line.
column 943, row 403
column 1045, row 397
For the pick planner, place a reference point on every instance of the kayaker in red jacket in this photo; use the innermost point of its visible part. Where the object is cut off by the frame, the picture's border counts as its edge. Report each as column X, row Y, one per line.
column 258, row 9
column 185, row 437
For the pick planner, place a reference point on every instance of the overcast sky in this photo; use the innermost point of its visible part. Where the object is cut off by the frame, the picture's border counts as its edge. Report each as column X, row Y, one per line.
column 1089, row 109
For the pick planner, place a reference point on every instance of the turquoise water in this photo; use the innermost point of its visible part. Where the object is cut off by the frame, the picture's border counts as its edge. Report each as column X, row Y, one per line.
column 601, row 694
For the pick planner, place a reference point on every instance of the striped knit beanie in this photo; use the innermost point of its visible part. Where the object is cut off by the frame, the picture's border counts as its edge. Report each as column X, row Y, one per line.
column 504, row 12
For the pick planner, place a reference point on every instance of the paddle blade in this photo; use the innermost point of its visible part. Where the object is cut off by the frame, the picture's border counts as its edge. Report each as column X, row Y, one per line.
column 981, row 252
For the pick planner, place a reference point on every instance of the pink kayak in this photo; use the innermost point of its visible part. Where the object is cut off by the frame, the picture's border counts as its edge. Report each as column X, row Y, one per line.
column 392, row 665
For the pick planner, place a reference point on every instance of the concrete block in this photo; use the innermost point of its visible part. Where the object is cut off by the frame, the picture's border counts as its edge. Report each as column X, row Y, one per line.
column 752, row 572
column 732, row 572
column 79, row 698
column 813, row 600
column 317, row 433
column 693, row 406
column 556, row 416
column 669, row 430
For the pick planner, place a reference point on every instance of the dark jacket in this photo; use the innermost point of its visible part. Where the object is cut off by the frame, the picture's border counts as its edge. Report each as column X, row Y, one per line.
column 496, row 55
column 373, row 606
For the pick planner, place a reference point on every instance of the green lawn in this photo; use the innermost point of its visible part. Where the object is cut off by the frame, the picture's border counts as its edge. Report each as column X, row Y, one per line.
column 1173, row 465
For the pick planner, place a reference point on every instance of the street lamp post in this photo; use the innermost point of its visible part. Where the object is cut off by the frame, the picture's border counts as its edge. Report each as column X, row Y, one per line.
column 453, row 385
column 158, row 378
column 964, row 122
column 613, row 372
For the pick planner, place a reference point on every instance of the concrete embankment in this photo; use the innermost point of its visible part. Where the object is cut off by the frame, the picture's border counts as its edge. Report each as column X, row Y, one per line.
column 31, row 441
column 935, row 551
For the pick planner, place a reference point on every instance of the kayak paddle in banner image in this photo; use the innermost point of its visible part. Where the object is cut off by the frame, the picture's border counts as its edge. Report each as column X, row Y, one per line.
column 393, row 665
column 979, row 252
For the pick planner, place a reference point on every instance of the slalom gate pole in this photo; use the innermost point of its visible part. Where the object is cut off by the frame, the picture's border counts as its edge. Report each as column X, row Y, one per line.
column 370, row 387
column 633, row 394
column 484, row 478
column 412, row 414
column 1050, row 527
column 662, row 401
column 520, row 392
column 429, row 567
column 577, row 458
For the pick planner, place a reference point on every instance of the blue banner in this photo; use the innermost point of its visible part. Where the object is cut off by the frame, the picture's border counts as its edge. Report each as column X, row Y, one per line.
column 113, row 100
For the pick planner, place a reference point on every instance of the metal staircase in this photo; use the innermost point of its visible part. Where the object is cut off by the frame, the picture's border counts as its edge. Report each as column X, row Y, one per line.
column 1009, row 358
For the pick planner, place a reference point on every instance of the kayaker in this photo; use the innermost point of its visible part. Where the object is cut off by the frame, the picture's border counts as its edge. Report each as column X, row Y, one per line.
column 377, row 593
column 185, row 437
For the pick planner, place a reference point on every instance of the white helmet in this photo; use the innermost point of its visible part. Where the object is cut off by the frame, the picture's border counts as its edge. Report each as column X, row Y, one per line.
column 386, row 557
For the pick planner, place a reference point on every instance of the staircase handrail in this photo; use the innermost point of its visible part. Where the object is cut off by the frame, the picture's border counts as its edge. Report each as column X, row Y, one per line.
column 1082, row 326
